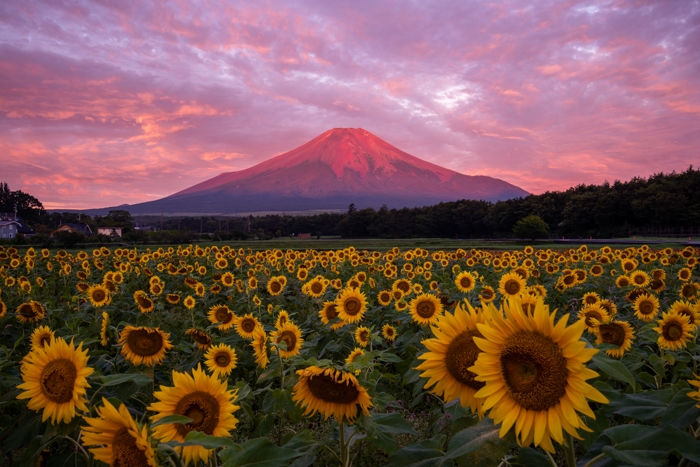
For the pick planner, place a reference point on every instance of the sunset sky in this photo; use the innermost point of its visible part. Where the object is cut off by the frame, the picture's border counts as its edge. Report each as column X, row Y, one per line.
column 121, row 101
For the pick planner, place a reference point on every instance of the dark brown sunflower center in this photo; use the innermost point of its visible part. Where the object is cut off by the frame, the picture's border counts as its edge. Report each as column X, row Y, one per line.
column 512, row 287
column 144, row 302
column 389, row 332
column 403, row 286
column 425, row 309
column 612, row 334
column 26, row 310
column 45, row 339
column 331, row 312
column 328, row 389
column 223, row 315
column 596, row 270
column 58, row 380
column 248, row 325
column 98, row 295
column 569, row 279
column 486, row 294
column 461, row 354
column 646, row 307
column 465, row 282
column 145, row 343
column 684, row 275
column 201, row 338
column 125, row 452
column 352, row 306
column 289, row 339
column 364, row 336
column 592, row 314
column 672, row 331
column 534, row 370
column 222, row 359
column 384, row 297
column 275, row 286
column 202, row 408
column 688, row 290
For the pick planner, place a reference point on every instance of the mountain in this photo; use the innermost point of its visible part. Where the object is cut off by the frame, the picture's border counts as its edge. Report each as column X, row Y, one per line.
column 339, row 167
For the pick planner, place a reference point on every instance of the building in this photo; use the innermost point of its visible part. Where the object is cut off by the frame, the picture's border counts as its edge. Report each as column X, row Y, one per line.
column 110, row 231
column 9, row 229
column 77, row 228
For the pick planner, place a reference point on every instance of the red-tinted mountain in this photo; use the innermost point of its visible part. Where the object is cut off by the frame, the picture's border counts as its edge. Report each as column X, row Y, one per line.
column 339, row 167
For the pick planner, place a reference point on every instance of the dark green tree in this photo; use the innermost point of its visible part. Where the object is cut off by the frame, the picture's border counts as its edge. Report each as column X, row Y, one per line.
column 531, row 227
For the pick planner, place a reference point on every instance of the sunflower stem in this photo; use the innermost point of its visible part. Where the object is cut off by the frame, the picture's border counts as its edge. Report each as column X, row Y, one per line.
column 569, row 449
column 281, row 412
column 80, row 448
column 343, row 447
column 591, row 462
column 551, row 459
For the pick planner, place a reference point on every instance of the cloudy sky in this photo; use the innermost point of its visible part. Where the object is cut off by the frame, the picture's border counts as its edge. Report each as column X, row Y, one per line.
column 122, row 101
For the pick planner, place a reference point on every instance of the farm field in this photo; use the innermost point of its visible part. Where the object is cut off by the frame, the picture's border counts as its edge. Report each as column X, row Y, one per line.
column 383, row 352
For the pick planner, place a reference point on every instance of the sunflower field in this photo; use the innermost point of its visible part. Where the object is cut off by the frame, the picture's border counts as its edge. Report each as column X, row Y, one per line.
column 216, row 356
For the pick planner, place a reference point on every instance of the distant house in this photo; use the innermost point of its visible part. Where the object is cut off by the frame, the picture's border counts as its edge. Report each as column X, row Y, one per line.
column 9, row 229
column 304, row 235
column 77, row 228
column 110, row 231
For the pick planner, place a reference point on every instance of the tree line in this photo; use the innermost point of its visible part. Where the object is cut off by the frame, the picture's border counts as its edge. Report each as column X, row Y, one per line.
column 661, row 202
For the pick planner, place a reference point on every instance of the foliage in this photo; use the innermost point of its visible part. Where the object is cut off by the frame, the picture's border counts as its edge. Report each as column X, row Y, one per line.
column 531, row 227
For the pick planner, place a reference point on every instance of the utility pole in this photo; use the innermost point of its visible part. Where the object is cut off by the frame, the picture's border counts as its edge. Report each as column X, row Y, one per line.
column 200, row 226
column 15, row 211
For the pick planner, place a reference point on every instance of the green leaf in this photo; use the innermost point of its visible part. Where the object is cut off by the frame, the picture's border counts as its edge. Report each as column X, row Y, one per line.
column 172, row 419
column 528, row 457
column 197, row 438
column 258, row 452
column 613, row 368
column 137, row 378
column 646, row 405
column 472, row 439
column 425, row 453
column 681, row 410
column 393, row 423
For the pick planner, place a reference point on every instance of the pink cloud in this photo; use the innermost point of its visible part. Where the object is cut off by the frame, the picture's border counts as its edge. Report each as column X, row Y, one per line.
column 111, row 103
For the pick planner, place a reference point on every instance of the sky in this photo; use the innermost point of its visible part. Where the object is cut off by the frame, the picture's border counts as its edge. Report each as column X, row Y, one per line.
column 123, row 101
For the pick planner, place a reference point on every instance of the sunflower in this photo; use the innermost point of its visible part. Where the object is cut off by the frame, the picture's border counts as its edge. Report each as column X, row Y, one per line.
column 389, row 332
column 145, row 304
column 535, row 375
column 290, row 334
column 221, row 360
column 41, row 337
column 674, row 331
column 425, row 309
column 223, row 315
column 689, row 290
column 639, row 278
column 121, row 443
column 450, row 355
column 315, row 287
column 282, row 318
column 592, row 312
column 98, row 295
column 622, row 281
column 511, row 285
column 259, row 345
column 274, row 287
column 3, row 309
column 351, row 305
column 228, row 279
column 141, row 345
column 354, row 355
column 465, row 282
column 329, row 313
column 615, row 332
column 172, row 298
column 363, row 335
column 646, row 307
column 203, row 398
column 104, row 338
column 246, row 325
column 201, row 338
column 684, row 274
column 590, row 298
column 609, row 306
column 683, row 307
column 487, row 294
column 30, row 312
column 404, row 285
column 55, row 379
column 384, row 297
column 331, row 392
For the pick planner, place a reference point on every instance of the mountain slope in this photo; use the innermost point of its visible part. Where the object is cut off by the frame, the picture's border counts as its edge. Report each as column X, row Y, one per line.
column 338, row 167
